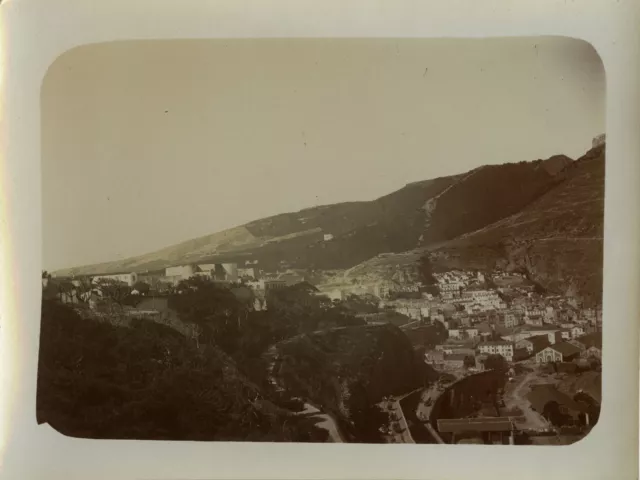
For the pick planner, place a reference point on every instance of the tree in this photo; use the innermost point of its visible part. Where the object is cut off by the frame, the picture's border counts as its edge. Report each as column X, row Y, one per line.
column 496, row 336
column 116, row 292
column 432, row 290
column 66, row 290
column 469, row 361
column 592, row 405
column 539, row 289
column 361, row 304
column 495, row 362
column 426, row 270
column 367, row 417
column 553, row 414
column 142, row 287
column 212, row 307
column 89, row 371
column 84, row 288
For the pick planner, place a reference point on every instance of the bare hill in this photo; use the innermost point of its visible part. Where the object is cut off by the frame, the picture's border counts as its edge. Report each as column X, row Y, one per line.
column 419, row 214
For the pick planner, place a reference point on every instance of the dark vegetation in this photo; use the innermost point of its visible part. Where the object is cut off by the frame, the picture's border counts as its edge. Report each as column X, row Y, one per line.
column 394, row 318
column 346, row 371
column 474, row 393
column 469, row 361
column 426, row 271
column 361, row 304
column 144, row 380
column 486, row 196
column 428, row 336
column 496, row 362
column 97, row 380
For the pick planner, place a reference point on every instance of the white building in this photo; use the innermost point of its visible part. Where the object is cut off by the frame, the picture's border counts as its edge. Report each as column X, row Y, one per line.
column 247, row 272
column 553, row 334
column 463, row 333
column 450, row 289
column 129, row 278
column 506, row 349
column 535, row 320
column 550, row 315
column 180, row 272
column 327, row 237
column 535, row 311
column 381, row 290
column 411, row 312
column 227, row 272
column 256, row 285
column 206, row 267
column 487, row 299
column 577, row 331
column 231, row 271
column 511, row 320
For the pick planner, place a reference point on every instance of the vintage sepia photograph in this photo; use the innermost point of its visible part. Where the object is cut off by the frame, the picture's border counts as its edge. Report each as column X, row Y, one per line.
column 323, row 240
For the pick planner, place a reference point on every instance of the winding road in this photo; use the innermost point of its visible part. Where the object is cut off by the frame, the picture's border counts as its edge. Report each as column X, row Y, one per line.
column 516, row 399
column 325, row 421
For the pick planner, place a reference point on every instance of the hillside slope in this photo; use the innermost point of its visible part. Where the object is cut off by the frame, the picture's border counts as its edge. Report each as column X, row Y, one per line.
column 149, row 382
column 419, row 214
column 558, row 238
column 487, row 195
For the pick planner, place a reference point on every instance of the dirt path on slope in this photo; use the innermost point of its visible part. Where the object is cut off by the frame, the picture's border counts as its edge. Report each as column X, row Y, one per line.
column 516, row 398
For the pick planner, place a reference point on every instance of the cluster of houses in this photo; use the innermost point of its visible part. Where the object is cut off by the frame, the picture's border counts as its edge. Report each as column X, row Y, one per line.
column 503, row 315
column 537, row 348
column 228, row 273
column 483, row 316
column 381, row 289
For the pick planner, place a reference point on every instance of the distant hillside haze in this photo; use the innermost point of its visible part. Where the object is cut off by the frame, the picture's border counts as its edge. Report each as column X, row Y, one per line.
column 451, row 216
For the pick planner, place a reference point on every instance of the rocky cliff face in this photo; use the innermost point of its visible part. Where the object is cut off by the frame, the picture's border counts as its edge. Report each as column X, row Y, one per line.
column 558, row 238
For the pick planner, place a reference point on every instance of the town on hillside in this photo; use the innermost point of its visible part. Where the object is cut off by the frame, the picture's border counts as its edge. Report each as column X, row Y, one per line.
column 393, row 241
column 507, row 361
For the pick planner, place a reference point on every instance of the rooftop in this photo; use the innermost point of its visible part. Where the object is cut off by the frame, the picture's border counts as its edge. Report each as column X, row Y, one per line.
column 533, row 328
column 591, row 340
column 565, row 348
column 539, row 342
column 456, row 357
column 487, row 424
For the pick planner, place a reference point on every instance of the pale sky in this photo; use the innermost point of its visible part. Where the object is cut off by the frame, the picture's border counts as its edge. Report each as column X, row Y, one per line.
column 146, row 144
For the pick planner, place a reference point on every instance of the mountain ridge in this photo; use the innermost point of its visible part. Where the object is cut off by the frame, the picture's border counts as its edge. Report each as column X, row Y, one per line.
column 421, row 214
